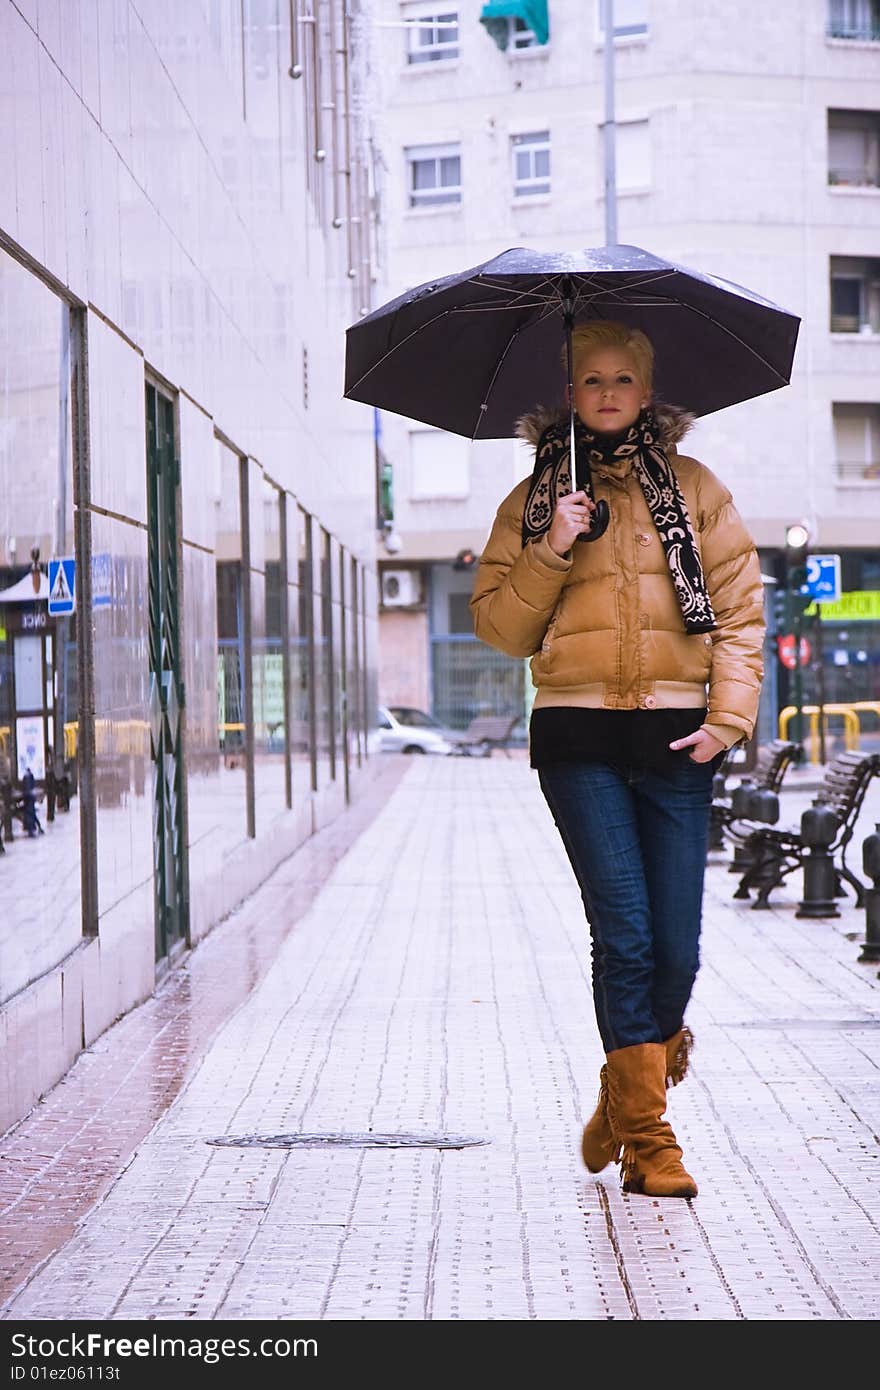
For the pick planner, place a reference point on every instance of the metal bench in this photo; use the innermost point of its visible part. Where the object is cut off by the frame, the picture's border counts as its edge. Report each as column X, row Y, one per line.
column 486, row 732
column 777, row 853
column 773, row 761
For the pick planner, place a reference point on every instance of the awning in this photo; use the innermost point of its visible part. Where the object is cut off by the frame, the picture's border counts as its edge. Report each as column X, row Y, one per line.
column 23, row 591
column 533, row 14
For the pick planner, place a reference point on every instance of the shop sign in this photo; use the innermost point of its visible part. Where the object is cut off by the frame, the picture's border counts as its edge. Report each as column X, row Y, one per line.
column 857, row 606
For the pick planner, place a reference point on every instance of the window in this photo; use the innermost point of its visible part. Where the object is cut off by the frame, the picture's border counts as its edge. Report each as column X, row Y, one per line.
column 440, row 465
column 433, row 37
column 857, row 442
column 632, row 156
column 854, row 19
column 531, row 163
column 854, row 148
column 519, row 35
column 855, row 294
column 434, row 175
column 630, row 17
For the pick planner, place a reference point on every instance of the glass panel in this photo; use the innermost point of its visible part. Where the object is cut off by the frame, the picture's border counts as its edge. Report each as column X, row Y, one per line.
column 42, row 917
column 301, row 673
column 325, row 664
column 228, row 815
column 268, row 664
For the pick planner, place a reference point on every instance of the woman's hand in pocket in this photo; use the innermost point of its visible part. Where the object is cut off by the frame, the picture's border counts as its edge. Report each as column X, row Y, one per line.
column 705, row 746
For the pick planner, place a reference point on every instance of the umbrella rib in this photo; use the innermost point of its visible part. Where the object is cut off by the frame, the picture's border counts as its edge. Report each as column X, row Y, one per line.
column 396, row 348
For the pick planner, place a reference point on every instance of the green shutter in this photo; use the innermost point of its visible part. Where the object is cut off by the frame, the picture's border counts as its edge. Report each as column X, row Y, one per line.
column 533, row 14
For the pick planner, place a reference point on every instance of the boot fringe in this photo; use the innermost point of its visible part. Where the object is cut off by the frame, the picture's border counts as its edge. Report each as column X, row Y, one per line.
column 677, row 1068
column 604, row 1101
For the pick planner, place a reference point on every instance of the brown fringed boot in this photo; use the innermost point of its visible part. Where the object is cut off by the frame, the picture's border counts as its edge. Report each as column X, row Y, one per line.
column 598, row 1145
column 650, row 1157
column 678, row 1051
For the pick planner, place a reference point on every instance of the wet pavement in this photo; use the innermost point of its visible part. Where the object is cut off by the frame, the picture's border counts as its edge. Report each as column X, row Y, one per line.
column 421, row 969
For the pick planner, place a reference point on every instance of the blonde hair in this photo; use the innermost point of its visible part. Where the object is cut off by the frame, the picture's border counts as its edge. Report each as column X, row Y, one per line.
column 601, row 333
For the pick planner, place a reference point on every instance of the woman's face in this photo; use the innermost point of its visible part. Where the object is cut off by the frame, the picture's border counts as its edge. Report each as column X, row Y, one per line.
column 608, row 395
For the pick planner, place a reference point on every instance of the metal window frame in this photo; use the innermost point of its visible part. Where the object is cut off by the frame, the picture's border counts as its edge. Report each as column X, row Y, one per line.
column 528, row 144
column 428, row 197
column 418, row 55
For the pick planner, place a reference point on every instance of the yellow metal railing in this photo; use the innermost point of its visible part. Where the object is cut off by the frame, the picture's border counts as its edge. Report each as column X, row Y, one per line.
column 850, row 714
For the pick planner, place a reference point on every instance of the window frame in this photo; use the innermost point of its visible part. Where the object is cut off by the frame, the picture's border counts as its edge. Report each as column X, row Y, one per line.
column 865, row 122
column 425, row 56
column 518, row 145
column 628, row 33
column 421, row 199
column 862, row 27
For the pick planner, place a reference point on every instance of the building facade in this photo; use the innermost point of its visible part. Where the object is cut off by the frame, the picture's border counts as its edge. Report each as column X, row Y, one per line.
column 748, row 146
column 187, row 548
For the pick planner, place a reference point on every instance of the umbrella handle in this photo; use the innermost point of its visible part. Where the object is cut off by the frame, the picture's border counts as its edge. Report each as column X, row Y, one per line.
column 599, row 523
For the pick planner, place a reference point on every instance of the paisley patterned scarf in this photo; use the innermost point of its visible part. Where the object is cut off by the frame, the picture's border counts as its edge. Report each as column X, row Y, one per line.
column 551, row 480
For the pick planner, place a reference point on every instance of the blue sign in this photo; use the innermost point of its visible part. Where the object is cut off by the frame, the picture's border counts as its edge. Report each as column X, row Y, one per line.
column 823, row 578
column 62, row 587
column 102, row 581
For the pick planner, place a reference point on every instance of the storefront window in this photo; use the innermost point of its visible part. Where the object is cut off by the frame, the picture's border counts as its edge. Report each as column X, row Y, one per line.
column 39, row 806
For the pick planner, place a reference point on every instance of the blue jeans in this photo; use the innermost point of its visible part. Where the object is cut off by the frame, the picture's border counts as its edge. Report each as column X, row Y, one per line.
column 637, row 843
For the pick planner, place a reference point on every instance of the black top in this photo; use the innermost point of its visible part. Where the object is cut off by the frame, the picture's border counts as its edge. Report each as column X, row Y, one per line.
column 621, row 737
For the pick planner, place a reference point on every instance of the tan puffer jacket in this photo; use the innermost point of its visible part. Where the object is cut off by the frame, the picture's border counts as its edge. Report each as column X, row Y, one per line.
column 603, row 625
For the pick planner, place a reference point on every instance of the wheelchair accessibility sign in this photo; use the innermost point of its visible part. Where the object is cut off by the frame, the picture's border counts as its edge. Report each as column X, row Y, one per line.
column 62, row 587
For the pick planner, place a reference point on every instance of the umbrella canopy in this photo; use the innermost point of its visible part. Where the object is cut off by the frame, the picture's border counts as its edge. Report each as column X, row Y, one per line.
column 471, row 352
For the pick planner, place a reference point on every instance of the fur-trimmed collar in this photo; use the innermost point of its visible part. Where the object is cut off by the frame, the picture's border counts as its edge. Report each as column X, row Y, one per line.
column 673, row 422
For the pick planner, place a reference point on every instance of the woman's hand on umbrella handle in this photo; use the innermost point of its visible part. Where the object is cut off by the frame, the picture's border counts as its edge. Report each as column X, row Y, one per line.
column 570, row 519
column 705, row 745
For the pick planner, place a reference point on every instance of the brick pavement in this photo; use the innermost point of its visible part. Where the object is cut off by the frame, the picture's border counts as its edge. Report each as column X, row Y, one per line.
column 438, row 984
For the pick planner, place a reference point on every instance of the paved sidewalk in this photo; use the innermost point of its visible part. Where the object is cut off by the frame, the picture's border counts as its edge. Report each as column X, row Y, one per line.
column 438, row 986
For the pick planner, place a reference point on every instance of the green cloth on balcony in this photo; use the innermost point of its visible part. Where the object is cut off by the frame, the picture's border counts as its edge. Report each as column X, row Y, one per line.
column 533, row 14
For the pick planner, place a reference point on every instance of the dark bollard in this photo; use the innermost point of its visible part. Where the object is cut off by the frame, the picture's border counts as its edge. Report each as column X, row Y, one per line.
column 819, row 825
column 871, row 865
column 764, row 806
column 716, row 813
column 740, row 802
column 6, row 809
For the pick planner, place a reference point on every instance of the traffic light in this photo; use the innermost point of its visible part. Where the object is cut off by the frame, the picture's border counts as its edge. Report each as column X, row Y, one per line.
column 780, row 609
column 797, row 540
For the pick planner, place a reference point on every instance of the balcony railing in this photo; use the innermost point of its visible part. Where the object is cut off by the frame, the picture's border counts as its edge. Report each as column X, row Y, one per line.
column 854, row 178
column 858, row 470
column 866, row 32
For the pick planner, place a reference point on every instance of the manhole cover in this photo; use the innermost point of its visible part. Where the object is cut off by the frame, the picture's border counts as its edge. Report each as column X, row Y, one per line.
column 347, row 1141
column 809, row 1024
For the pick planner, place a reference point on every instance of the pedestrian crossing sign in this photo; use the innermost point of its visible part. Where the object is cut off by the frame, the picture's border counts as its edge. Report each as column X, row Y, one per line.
column 62, row 587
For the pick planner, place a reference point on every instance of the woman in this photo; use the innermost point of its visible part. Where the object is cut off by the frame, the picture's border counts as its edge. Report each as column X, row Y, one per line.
column 627, row 635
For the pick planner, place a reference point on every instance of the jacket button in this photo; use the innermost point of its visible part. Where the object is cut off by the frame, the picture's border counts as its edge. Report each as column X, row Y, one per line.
column 642, row 538
column 650, row 702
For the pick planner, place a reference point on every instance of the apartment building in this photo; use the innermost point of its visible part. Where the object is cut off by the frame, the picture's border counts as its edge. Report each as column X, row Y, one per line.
column 748, row 146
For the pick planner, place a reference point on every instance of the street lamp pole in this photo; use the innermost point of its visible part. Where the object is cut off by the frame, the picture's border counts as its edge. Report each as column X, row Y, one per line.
column 609, row 128
column 797, row 539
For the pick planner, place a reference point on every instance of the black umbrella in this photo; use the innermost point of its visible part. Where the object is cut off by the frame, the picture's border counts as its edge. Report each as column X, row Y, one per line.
column 471, row 352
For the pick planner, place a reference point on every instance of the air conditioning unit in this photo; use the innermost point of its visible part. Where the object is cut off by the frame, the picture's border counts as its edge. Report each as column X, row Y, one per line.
column 401, row 588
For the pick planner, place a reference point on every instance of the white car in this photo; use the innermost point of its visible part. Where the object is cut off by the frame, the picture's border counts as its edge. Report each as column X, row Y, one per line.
column 405, row 730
